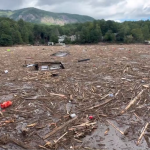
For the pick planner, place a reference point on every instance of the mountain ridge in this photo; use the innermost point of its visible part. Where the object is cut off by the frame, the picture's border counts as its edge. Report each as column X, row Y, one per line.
column 35, row 15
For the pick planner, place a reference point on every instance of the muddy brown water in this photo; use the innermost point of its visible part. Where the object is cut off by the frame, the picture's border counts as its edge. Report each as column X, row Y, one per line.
column 112, row 141
column 84, row 85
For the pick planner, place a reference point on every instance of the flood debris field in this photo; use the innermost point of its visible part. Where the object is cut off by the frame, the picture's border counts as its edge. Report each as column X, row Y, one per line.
column 100, row 101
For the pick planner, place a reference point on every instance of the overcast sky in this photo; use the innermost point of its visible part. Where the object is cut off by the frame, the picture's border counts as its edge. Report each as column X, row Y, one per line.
column 99, row 9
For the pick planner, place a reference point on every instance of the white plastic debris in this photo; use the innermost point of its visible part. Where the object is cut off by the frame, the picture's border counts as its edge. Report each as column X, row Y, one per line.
column 30, row 65
column 111, row 95
column 73, row 115
column 143, row 81
column 44, row 68
column 121, row 48
column 98, row 86
column 6, row 71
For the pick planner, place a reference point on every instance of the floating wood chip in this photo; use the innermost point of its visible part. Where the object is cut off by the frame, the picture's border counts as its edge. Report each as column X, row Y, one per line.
column 138, row 142
column 132, row 102
column 60, row 127
column 32, row 125
column 115, row 127
column 106, row 132
column 56, row 141
column 146, row 85
column 107, row 101
column 61, row 95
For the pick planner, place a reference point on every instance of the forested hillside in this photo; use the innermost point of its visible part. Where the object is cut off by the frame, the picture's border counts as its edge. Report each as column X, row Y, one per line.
column 35, row 15
column 20, row 32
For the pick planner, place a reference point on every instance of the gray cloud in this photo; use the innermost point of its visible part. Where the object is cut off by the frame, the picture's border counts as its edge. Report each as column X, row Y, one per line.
column 99, row 9
column 10, row 4
column 104, row 3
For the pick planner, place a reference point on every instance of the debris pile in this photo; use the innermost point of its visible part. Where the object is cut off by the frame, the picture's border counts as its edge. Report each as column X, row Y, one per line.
column 102, row 103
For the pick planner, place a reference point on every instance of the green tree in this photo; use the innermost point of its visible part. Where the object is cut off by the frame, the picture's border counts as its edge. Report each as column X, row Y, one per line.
column 128, row 39
column 54, row 38
column 31, row 38
column 6, row 40
column 137, row 35
column 97, row 34
column 24, row 31
column 84, row 35
column 5, row 27
column 123, row 31
column 109, row 36
column 67, row 41
column 146, row 33
column 16, row 36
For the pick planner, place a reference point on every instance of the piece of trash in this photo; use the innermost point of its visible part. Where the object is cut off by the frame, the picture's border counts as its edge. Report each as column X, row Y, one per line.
column 54, row 75
column 83, row 60
column 30, row 65
column 73, row 115
column 91, row 117
column 55, row 67
column 68, row 107
column 106, row 132
column 61, row 95
column 98, row 86
column 6, row 71
column 48, row 66
column 121, row 48
column 32, row 125
column 111, row 95
column 6, row 104
column 25, row 131
column 44, row 68
column 60, row 54
column 143, row 81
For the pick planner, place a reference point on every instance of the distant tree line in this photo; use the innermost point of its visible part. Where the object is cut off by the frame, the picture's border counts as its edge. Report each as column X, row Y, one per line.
column 20, row 32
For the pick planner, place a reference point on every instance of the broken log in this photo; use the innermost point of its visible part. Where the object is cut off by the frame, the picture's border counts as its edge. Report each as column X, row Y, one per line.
column 83, row 60
column 56, row 141
column 132, row 102
column 107, row 101
column 59, row 128
column 115, row 127
column 138, row 142
column 84, row 124
column 61, row 95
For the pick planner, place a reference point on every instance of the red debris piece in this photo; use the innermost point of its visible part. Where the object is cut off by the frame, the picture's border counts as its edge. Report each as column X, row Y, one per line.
column 6, row 104
column 91, row 117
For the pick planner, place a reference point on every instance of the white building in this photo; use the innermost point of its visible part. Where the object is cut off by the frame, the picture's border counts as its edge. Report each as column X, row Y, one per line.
column 147, row 42
column 73, row 38
column 50, row 43
column 61, row 38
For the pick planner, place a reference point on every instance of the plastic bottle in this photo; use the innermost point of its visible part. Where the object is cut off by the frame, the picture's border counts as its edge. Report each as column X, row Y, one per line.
column 6, row 104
